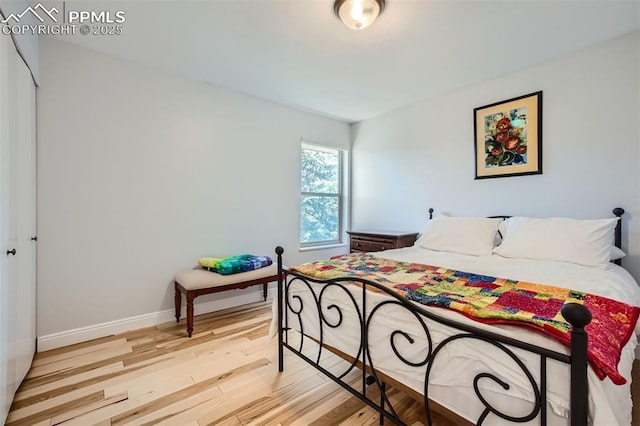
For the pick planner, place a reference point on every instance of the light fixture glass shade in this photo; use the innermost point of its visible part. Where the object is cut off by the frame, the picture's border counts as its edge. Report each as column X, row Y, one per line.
column 358, row 14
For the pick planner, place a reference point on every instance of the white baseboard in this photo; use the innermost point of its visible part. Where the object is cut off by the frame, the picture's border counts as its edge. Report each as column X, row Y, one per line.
column 83, row 334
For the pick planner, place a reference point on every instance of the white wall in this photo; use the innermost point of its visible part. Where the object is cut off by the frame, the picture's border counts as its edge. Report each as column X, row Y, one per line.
column 141, row 172
column 409, row 160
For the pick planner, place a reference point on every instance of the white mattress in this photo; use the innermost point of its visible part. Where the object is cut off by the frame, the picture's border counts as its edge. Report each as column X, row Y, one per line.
column 451, row 379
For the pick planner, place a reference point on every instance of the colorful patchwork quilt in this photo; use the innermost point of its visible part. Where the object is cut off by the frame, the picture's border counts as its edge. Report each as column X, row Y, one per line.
column 496, row 300
column 234, row 264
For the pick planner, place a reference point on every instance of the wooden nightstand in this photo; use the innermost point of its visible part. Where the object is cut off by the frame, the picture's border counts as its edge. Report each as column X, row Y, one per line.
column 363, row 241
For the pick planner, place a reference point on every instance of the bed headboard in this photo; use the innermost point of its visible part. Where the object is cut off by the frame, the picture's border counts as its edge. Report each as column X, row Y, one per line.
column 618, row 212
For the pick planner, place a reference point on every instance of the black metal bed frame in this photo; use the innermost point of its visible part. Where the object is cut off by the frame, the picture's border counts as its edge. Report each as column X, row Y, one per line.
column 577, row 315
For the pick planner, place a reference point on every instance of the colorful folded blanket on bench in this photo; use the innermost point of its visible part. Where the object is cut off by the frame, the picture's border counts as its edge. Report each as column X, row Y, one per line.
column 234, row 264
column 496, row 300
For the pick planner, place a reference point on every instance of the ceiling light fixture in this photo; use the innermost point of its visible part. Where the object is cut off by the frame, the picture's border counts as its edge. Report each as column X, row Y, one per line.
column 358, row 14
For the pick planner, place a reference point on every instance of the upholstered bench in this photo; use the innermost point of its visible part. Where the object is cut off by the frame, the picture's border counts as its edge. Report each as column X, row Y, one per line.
column 196, row 282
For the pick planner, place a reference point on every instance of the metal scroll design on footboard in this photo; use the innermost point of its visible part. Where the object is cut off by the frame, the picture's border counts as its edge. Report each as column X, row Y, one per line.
column 312, row 302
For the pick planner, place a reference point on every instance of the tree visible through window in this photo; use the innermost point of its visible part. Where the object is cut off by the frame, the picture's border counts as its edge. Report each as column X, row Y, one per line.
column 321, row 195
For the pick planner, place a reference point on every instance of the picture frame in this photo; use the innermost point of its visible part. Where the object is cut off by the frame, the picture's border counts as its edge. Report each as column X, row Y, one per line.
column 508, row 137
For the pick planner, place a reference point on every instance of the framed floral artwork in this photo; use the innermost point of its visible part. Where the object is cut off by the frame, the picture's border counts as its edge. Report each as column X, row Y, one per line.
column 508, row 137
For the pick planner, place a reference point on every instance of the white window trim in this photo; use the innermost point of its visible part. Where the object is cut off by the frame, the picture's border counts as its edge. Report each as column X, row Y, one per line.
column 343, row 201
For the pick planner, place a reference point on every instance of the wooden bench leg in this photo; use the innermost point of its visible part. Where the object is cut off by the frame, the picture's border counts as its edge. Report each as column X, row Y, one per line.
column 178, row 302
column 190, row 298
column 265, row 287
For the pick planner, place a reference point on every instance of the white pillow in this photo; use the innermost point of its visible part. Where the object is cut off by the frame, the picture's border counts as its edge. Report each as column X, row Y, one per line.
column 585, row 242
column 466, row 235
column 615, row 252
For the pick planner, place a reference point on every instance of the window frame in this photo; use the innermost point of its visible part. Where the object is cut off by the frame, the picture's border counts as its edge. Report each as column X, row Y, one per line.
column 340, row 195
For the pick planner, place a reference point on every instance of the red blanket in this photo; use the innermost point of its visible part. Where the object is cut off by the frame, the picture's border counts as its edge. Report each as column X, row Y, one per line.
column 497, row 300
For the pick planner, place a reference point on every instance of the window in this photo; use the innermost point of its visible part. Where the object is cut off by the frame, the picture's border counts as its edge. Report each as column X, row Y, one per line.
column 321, row 200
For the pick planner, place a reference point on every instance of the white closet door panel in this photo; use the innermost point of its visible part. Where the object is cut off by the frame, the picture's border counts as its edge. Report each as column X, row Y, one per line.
column 5, row 394
column 26, row 221
column 17, row 221
column 12, row 260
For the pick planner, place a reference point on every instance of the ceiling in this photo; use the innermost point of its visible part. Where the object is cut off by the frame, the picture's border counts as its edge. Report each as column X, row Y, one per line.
column 297, row 53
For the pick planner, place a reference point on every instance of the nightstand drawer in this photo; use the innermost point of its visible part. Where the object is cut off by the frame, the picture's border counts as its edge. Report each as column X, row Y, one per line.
column 359, row 244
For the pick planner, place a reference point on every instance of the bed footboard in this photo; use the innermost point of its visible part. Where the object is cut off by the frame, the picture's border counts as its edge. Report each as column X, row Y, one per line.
column 308, row 315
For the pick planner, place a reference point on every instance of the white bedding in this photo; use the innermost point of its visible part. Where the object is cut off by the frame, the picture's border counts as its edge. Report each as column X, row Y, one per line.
column 451, row 379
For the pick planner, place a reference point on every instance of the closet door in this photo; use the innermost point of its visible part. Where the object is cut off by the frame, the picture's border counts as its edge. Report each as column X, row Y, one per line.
column 17, row 222
column 8, row 272
column 25, row 202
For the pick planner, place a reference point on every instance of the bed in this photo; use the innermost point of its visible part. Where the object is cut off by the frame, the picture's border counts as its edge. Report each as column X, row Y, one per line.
column 487, row 372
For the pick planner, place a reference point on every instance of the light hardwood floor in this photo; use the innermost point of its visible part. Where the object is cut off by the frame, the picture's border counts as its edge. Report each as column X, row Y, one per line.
column 226, row 374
